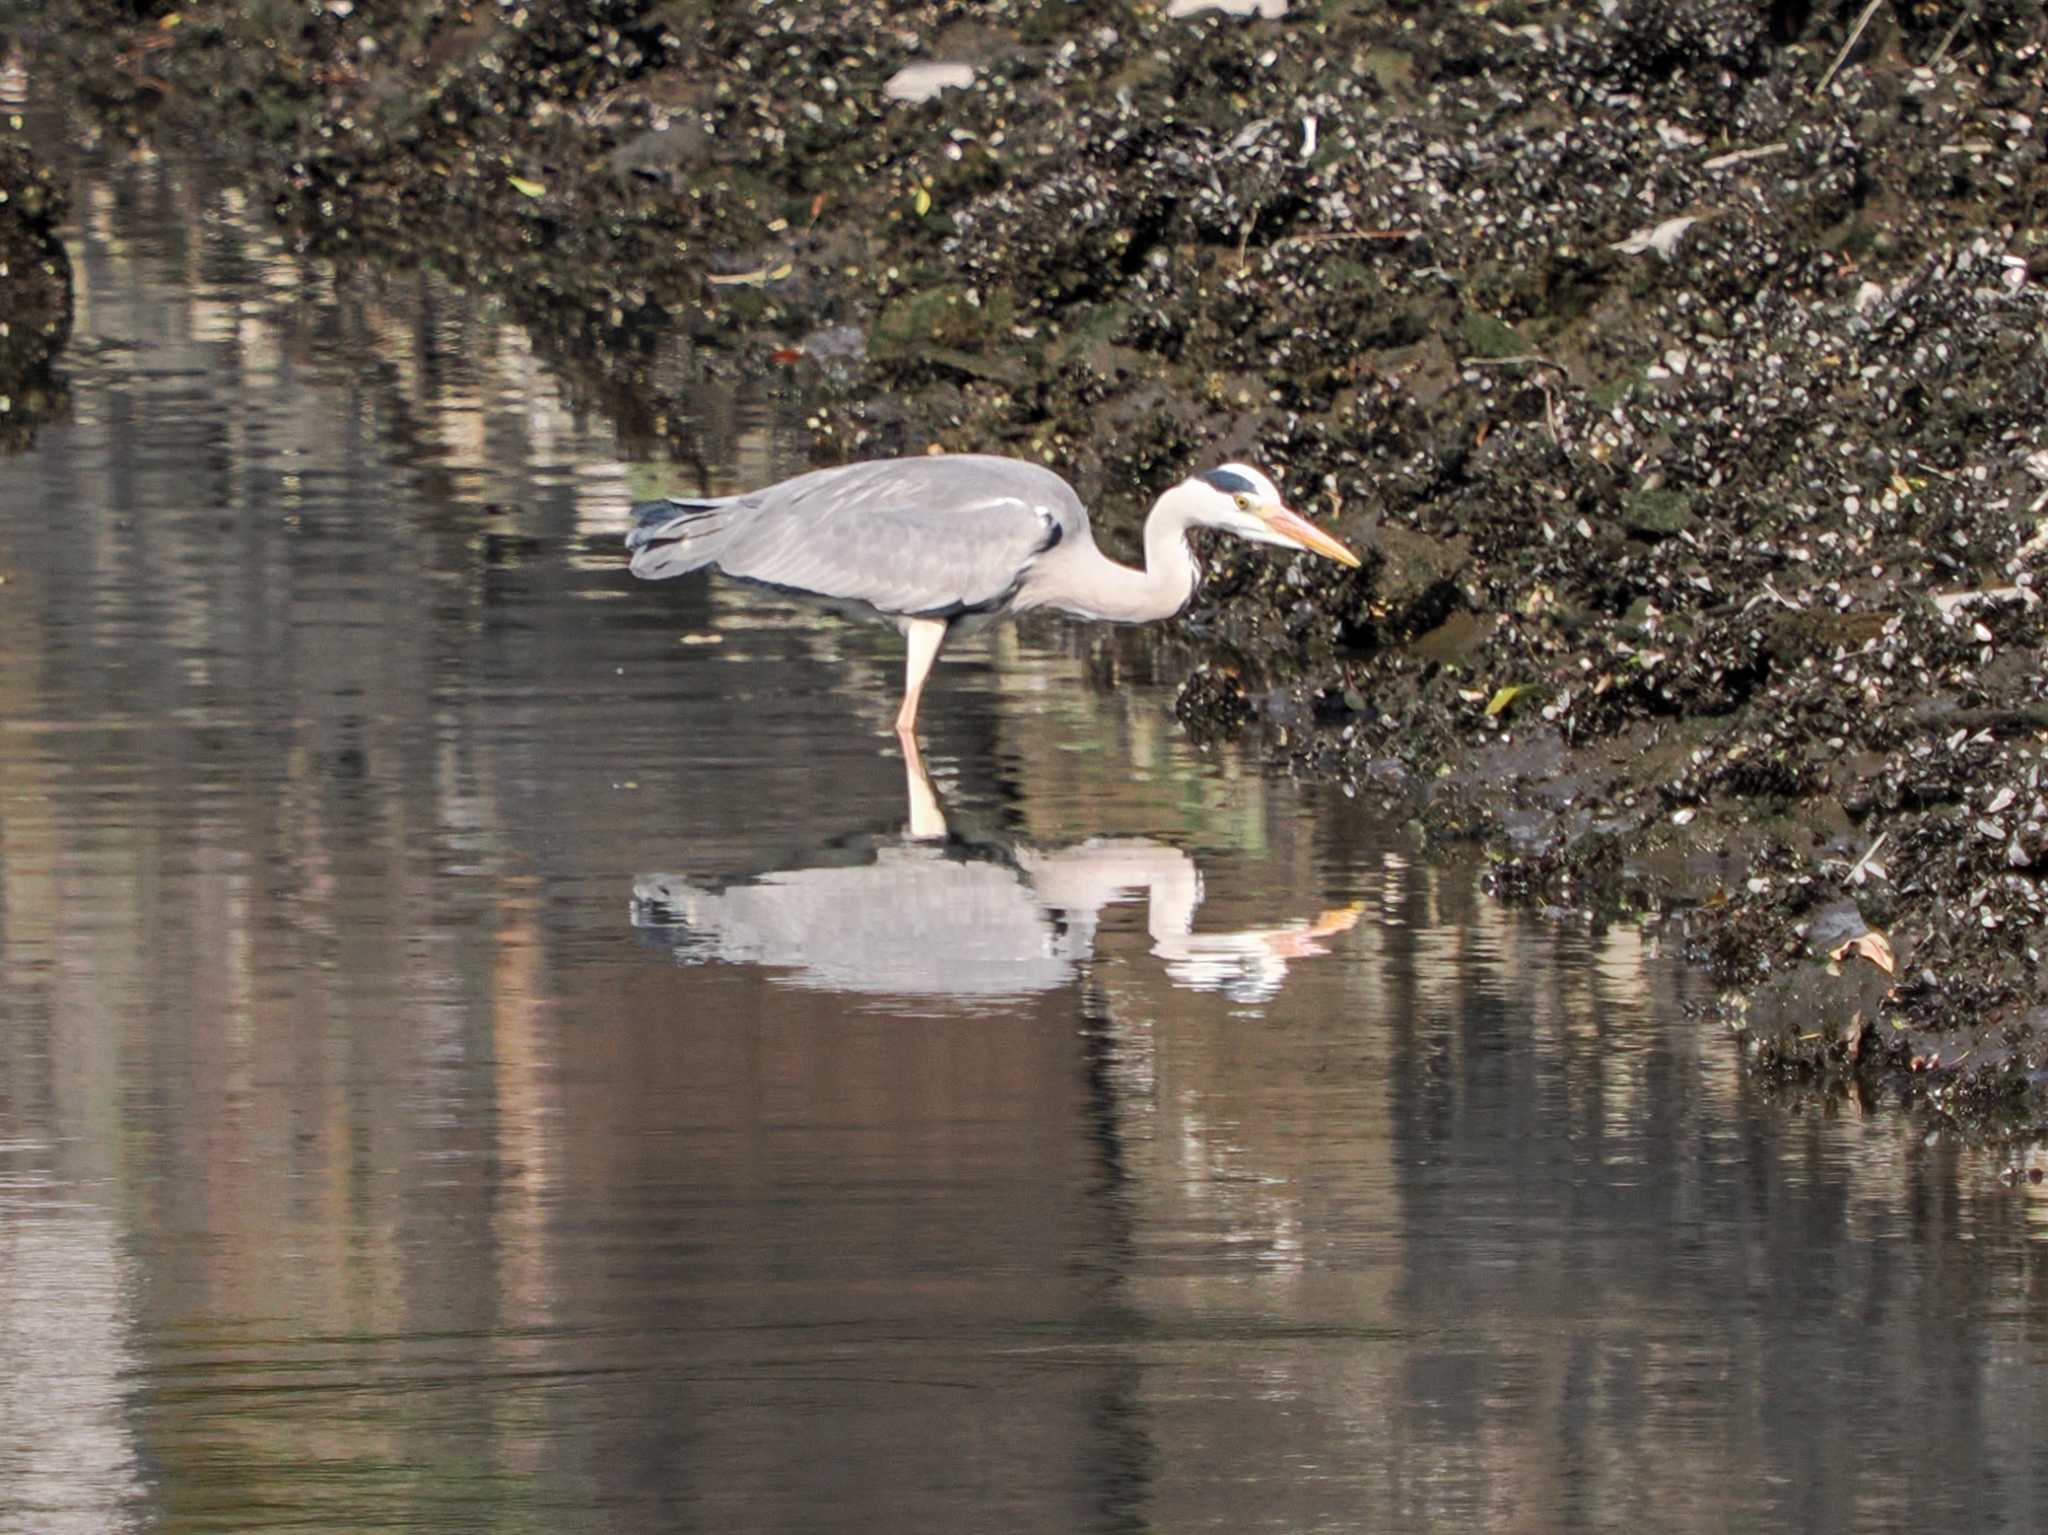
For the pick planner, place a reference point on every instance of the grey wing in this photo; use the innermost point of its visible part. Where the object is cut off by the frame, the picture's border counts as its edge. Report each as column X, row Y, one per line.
column 936, row 537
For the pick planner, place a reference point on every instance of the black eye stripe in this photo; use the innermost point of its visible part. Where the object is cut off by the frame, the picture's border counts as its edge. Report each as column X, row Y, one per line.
column 1230, row 484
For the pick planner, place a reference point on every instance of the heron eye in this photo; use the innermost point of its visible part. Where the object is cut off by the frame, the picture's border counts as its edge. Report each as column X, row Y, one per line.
column 1244, row 503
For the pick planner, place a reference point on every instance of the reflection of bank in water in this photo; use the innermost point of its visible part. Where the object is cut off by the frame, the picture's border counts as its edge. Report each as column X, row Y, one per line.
column 924, row 919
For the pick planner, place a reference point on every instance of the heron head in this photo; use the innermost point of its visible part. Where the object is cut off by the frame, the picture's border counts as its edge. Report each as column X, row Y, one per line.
column 1239, row 499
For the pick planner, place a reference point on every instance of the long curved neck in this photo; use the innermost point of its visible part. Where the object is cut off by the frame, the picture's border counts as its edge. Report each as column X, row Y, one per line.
column 1126, row 596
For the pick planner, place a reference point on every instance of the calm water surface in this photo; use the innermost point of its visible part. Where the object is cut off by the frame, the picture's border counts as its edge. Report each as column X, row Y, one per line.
column 477, row 1051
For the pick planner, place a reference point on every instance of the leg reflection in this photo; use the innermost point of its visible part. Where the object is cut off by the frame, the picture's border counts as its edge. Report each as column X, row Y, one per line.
column 927, row 819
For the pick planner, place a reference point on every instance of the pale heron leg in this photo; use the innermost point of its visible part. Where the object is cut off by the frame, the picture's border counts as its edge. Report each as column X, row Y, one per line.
column 923, row 638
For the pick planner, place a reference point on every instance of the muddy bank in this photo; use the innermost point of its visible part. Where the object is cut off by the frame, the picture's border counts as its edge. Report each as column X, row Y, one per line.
column 1681, row 366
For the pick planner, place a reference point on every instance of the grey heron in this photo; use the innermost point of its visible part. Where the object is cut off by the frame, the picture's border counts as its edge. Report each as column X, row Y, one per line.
column 946, row 542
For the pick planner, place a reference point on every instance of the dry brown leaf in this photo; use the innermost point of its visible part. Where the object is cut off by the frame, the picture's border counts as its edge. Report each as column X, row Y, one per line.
column 1873, row 946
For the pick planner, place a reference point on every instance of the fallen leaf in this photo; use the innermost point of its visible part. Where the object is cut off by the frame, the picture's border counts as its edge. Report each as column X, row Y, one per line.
column 1662, row 238
column 1873, row 946
column 527, row 188
column 921, row 200
column 1504, row 698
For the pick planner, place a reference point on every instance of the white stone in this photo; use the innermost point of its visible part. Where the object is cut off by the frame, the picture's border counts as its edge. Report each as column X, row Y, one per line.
column 921, row 82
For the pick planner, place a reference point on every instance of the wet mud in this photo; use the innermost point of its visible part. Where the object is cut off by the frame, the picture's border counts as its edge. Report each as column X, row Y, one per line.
column 1679, row 366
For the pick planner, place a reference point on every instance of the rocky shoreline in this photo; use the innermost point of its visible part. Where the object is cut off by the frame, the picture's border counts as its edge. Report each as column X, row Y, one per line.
column 1681, row 366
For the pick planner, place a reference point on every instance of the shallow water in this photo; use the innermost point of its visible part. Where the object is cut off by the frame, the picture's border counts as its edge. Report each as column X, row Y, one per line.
column 478, row 1052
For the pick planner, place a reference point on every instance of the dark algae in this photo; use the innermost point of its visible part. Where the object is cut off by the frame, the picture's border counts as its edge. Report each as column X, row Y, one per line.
column 1680, row 367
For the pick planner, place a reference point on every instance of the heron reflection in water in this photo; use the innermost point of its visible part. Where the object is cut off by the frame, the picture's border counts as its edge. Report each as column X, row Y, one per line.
column 923, row 917
column 943, row 544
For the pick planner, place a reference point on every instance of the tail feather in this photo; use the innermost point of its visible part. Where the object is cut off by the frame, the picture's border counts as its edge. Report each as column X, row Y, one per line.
column 674, row 535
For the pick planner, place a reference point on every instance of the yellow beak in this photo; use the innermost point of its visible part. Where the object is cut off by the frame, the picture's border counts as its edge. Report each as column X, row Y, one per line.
column 1307, row 534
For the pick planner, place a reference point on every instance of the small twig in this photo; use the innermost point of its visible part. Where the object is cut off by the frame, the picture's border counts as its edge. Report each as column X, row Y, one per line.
column 1529, row 359
column 760, row 277
column 147, row 82
column 1521, row 359
column 1771, row 594
column 1941, row 53
column 1737, row 156
column 129, row 61
column 1854, row 876
column 1349, row 234
column 1855, row 32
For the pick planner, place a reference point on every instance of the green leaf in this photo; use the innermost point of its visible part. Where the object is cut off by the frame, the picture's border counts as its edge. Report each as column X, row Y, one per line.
column 1504, row 699
column 527, row 188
